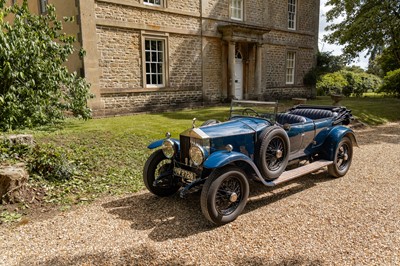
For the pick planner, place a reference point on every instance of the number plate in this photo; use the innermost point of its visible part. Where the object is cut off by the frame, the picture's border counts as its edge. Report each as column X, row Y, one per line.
column 185, row 174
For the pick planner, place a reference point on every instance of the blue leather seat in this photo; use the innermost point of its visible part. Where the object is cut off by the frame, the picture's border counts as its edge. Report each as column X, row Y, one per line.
column 283, row 118
column 313, row 113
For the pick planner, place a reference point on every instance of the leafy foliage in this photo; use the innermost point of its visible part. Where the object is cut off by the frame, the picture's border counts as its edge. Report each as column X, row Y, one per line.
column 35, row 87
column 367, row 25
column 326, row 63
column 347, row 83
column 391, row 83
column 45, row 161
column 331, row 83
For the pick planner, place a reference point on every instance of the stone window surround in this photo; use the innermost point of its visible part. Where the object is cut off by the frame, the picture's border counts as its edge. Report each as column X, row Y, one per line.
column 293, row 68
column 163, row 4
column 155, row 36
column 43, row 6
column 243, row 11
column 292, row 21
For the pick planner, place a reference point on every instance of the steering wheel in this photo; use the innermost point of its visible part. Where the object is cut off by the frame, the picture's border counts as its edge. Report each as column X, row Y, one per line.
column 249, row 111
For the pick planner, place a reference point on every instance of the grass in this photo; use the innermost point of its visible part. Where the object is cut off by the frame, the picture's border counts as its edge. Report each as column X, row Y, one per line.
column 109, row 153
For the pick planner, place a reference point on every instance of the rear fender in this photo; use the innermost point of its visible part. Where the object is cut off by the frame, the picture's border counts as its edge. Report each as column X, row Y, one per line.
column 333, row 139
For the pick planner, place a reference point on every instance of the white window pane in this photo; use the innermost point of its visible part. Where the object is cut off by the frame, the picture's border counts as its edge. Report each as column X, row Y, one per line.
column 237, row 9
column 154, row 56
column 290, row 67
column 292, row 14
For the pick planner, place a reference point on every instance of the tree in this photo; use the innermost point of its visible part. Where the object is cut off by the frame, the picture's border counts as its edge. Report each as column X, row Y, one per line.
column 391, row 83
column 370, row 25
column 35, row 87
column 326, row 63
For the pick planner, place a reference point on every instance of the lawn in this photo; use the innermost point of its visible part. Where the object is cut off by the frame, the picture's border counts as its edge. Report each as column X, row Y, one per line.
column 109, row 153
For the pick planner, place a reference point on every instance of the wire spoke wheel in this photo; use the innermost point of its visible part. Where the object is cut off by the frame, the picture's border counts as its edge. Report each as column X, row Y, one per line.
column 272, row 152
column 224, row 195
column 342, row 159
column 228, row 196
column 157, row 175
column 275, row 154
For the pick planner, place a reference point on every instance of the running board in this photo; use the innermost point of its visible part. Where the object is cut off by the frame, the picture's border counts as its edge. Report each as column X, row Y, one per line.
column 297, row 172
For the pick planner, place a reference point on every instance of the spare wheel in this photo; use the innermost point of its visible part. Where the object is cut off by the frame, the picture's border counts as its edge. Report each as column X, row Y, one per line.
column 272, row 152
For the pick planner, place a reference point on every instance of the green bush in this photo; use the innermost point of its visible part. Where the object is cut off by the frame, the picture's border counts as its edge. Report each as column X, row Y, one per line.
column 391, row 83
column 46, row 161
column 35, row 87
column 331, row 83
column 348, row 83
column 51, row 163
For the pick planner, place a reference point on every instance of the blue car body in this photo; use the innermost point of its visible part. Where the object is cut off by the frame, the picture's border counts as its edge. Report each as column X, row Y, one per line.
column 308, row 133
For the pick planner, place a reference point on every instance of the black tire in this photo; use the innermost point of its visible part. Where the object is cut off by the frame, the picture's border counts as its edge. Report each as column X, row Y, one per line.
column 156, row 165
column 342, row 159
column 272, row 152
column 224, row 195
column 210, row 122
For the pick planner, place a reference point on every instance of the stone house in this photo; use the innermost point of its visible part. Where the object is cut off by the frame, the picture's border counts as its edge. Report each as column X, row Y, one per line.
column 144, row 55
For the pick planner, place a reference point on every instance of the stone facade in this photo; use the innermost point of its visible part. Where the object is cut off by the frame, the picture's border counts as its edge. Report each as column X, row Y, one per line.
column 208, row 55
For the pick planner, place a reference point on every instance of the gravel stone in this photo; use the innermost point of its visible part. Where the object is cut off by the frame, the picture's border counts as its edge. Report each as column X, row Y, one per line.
column 314, row 220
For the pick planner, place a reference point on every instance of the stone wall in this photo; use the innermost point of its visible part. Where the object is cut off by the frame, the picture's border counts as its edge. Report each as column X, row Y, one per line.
column 144, row 16
column 196, row 71
column 119, row 64
column 212, row 69
column 185, row 62
column 131, row 102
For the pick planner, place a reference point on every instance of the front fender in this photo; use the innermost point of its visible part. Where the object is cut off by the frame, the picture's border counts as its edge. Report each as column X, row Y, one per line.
column 222, row 158
column 158, row 143
column 334, row 137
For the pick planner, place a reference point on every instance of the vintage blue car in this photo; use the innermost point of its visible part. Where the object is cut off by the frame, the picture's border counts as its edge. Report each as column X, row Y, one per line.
column 256, row 142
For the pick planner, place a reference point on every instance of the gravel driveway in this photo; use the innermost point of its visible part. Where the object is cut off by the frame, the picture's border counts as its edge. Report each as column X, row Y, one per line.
column 314, row 220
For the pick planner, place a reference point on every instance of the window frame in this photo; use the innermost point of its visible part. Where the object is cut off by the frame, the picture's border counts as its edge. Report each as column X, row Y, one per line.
column 241, row 8
column 292, row 14
column 164, row 39
column 290, row 70
column 145, row 2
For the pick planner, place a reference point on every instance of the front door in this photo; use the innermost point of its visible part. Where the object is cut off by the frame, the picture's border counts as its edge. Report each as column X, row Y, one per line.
column 239, row 78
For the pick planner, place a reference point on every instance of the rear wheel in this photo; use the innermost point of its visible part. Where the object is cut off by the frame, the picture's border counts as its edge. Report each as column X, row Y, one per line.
column 224, row 195
column 272, row 152
column 342, row 159
column 158, row 168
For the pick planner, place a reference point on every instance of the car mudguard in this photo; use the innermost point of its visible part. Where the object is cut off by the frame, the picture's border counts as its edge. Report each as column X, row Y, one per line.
column 158, row 143
column 222, row 158
column 334, row 137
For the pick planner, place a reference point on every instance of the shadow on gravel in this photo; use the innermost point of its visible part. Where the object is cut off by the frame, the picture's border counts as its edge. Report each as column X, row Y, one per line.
column 147, row 255
column 387, row 133
column 143, row 255
column 173, row 217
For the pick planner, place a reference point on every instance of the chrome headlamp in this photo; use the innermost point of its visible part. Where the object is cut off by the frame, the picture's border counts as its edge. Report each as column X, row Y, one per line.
column 197, row 155
column 168, row 148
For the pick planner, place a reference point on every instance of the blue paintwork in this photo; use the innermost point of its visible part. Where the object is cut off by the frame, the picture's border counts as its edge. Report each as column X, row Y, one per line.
column 158, row 143
column 307, row 139
column 334, row 137
column 235, row 127
column 222, row 158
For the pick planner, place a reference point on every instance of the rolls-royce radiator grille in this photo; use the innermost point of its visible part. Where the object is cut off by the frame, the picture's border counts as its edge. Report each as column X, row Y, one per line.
column 186, row 143
column 185, row 146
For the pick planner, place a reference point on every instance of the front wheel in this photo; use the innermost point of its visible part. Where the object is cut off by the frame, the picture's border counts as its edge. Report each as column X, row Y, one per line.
column 224, row 195
column 342, row 159
column 158, row 168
